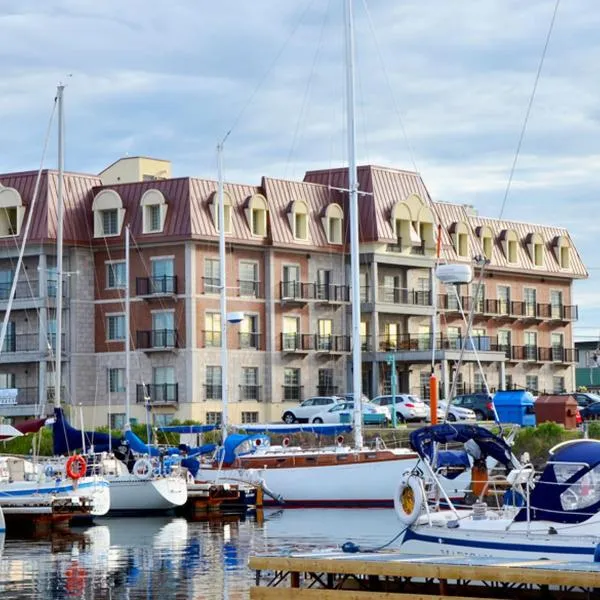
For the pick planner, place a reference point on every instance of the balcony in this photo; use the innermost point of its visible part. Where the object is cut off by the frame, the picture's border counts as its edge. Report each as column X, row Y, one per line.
column 24, row 405
column 156, row 287
column 497, row 308
column 525, row 353
column 250, row 392
column 559, row 312
column 558, row 354
column 292, row 393
column 157, row 393
column 249, row 289
column 396, row 295
column 213, row 391
column 332, row 344
column 212, row 338
column 23, row 342
column 525, row 311
column 297, row 292
column 211, row 285
column 24, row 347
column 297, row 343
column 449, row 303
column 247, row 339
column 414, row 342
column 157, row 340
column 27, row 294
column 332, row 294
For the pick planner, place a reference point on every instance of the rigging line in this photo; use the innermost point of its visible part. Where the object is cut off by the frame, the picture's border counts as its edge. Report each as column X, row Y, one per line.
column 389, row 86
column 308, row 88
column 268, row 72
column 528, row 112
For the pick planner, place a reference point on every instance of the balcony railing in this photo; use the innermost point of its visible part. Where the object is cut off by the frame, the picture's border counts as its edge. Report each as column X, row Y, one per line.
column 30, row 289
column 449, row 302
column 213, row 391
column 332, row 293
column 21, row 342
column 249, row 288
column 158, row 338
column 558, row 354
column 297, row 342
column 397, row 295
column 424, row 342
column 247, row 339
column 212, row 338
column 297, row 291
column 250, row 392
column 292, row 393
column 164, row 285
column 332, row 343
column 211, row 285
column 157, row 393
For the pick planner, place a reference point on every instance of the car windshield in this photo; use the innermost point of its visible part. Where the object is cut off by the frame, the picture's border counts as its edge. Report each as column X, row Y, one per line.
column 593, row 397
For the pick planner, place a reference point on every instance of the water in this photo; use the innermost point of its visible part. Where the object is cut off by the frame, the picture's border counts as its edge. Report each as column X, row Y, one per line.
column 170, row 558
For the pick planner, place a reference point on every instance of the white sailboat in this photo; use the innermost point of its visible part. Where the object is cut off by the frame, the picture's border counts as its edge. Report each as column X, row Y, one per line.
column 335, row 476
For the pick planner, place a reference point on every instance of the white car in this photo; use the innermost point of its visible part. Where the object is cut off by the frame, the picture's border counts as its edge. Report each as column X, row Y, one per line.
column 456, row 413
column 310, row 407
column 408, row 407
column 372, row 415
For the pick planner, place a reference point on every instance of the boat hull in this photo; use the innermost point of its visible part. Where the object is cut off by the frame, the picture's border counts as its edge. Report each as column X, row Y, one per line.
column 128, row 494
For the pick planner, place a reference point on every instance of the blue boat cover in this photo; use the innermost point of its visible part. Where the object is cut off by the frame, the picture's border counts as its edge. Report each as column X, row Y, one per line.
column 141, row 447
column 238, row 444
column 320, row 428
column 66, row 439
column 188, row 428
column 422, row 441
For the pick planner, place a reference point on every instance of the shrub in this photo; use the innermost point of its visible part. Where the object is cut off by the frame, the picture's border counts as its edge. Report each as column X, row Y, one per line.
column 537, row 441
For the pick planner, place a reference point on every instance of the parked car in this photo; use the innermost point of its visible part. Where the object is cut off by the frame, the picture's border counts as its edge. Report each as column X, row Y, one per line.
column 348, row 397
column 310, row 407
column 590, row 412
column 408, row 407
column 480, row 403
column 584, row 399
column 455, row 413
column 372, row 415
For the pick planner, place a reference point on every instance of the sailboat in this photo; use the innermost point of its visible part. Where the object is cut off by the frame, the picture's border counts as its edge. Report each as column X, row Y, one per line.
column 338, row 475
column 138, row 482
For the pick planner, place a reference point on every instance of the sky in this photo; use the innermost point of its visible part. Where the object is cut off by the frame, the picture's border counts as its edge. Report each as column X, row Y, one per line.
column 442, row 87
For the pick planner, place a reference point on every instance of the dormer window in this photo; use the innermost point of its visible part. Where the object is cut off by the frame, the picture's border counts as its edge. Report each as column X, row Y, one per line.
column 402, row 225
column 227, row 211
column 535, row 246
column 333, row 223
column 562, row 251
column 460, row 236
column 12, row 212
column 487, row 240
column 509, row 241
column 256, row 214
column 298, row 216
column 108, row 214
column 155, row 211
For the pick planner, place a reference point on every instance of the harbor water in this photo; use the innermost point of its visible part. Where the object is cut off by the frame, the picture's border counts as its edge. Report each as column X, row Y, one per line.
column 163, row 557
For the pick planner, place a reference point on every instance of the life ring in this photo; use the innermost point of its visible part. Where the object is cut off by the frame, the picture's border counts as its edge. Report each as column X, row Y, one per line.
column 142, row 468
column 340, row 440
column 408, row 500
column 257, row 442
column 286, row 442
column 76, row 466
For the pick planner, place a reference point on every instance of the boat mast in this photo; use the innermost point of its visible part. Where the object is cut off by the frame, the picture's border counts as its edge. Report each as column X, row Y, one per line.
column 354, row 239
column 127, row 339
column 223, row 295
column 59, row 250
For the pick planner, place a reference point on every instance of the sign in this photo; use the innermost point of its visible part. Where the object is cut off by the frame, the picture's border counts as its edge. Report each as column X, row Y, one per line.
column 8, row 396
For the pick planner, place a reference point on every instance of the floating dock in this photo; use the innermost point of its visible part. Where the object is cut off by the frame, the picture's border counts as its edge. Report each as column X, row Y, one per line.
column 394, row 576
column 214, row 500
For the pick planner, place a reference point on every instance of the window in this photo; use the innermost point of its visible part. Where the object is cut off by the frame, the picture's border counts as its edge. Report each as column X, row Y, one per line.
column 508, row 382
column 558, row 385
column 479, row 298
column 250, row 387
column 256, row 213
column 299, row 219
column 249, row 417
column 212, row 276
column 115, row 275
column 116, row 380
column 213, row 383
column 462, row 244
column 453, row 292
column 424, row 377
column 564, row 257
column 249, row 332
column 6, row 279
column 512, row 251
column 162, row 419
column 163, row 375
column 11, row 212
column 154, row 209
column 163, row 329
column 487, row 246
column 391, row 291
column 478, row 383
column 504, row 341
column 117, row 420
column 212, row 329
column 164, row 388
column 459, row 232
column 509, row 241
column 333, row 223
column 213, row 418
column 324, row 291
column 364, row 336
column 556, row 304
column 291, row 384
column 110, row 222
column 325, row 386
column 7, row 381
column 391, row 335
column 531, row 383
column 503, row 299
column 454, row 337
column 163, row 276
column 227, row 211
column 561, row 247
column 530, row 302
column 248, row 278
column 557, row 341
column 291, row 281
column 530, row 338
column 10, row 339
column 291, row 333
column 325, row 337
column 115, row 327
column 51, row 327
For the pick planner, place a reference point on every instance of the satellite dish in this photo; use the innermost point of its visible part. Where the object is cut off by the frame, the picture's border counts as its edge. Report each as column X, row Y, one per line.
column 235, row 317
column 454, row 273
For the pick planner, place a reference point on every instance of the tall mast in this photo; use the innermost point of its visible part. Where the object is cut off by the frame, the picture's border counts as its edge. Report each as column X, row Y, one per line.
column 223, row 296
column 59, row 249
column 354, row 240
column 127, row 339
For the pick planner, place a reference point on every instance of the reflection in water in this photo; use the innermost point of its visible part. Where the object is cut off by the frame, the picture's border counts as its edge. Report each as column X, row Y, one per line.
column 170, row 558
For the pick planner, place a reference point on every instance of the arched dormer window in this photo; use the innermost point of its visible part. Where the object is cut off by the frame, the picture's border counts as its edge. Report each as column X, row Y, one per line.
column 426, row 228
column 460, row 238
column 256, row 213
column 333, row 223
column 12, row 212
column 298, row 217
column 227, row 210
column 509, row 242
column 535, row 247
column 562, row 251
column 403, row 226
column 155, row 211
column 485, row 235
column 108, row 214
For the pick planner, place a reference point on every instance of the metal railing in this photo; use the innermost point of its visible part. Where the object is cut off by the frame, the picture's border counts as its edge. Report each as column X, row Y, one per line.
column 250, row 392
column 398, row 295
column 158, row 338
column 292, row 393
column 157, row 393
column 332, row 343
column 247, row 339
column 213, row 391
column 211, row 285
column 293, row 342
column 332, row 293
column 212, row 338
column 156, row 285
column 249, row 288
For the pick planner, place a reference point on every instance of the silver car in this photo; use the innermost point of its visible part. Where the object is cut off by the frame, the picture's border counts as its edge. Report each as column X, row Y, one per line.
column 408, row 407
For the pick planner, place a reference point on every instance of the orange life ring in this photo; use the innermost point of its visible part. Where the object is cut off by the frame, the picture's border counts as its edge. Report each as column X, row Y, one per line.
column 75, row 576
column 76, row 472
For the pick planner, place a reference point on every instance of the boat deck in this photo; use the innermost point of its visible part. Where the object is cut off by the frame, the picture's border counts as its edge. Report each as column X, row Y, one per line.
column 396, row 576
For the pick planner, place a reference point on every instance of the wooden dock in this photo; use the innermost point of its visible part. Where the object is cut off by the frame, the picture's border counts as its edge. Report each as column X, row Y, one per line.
column 395, row 576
